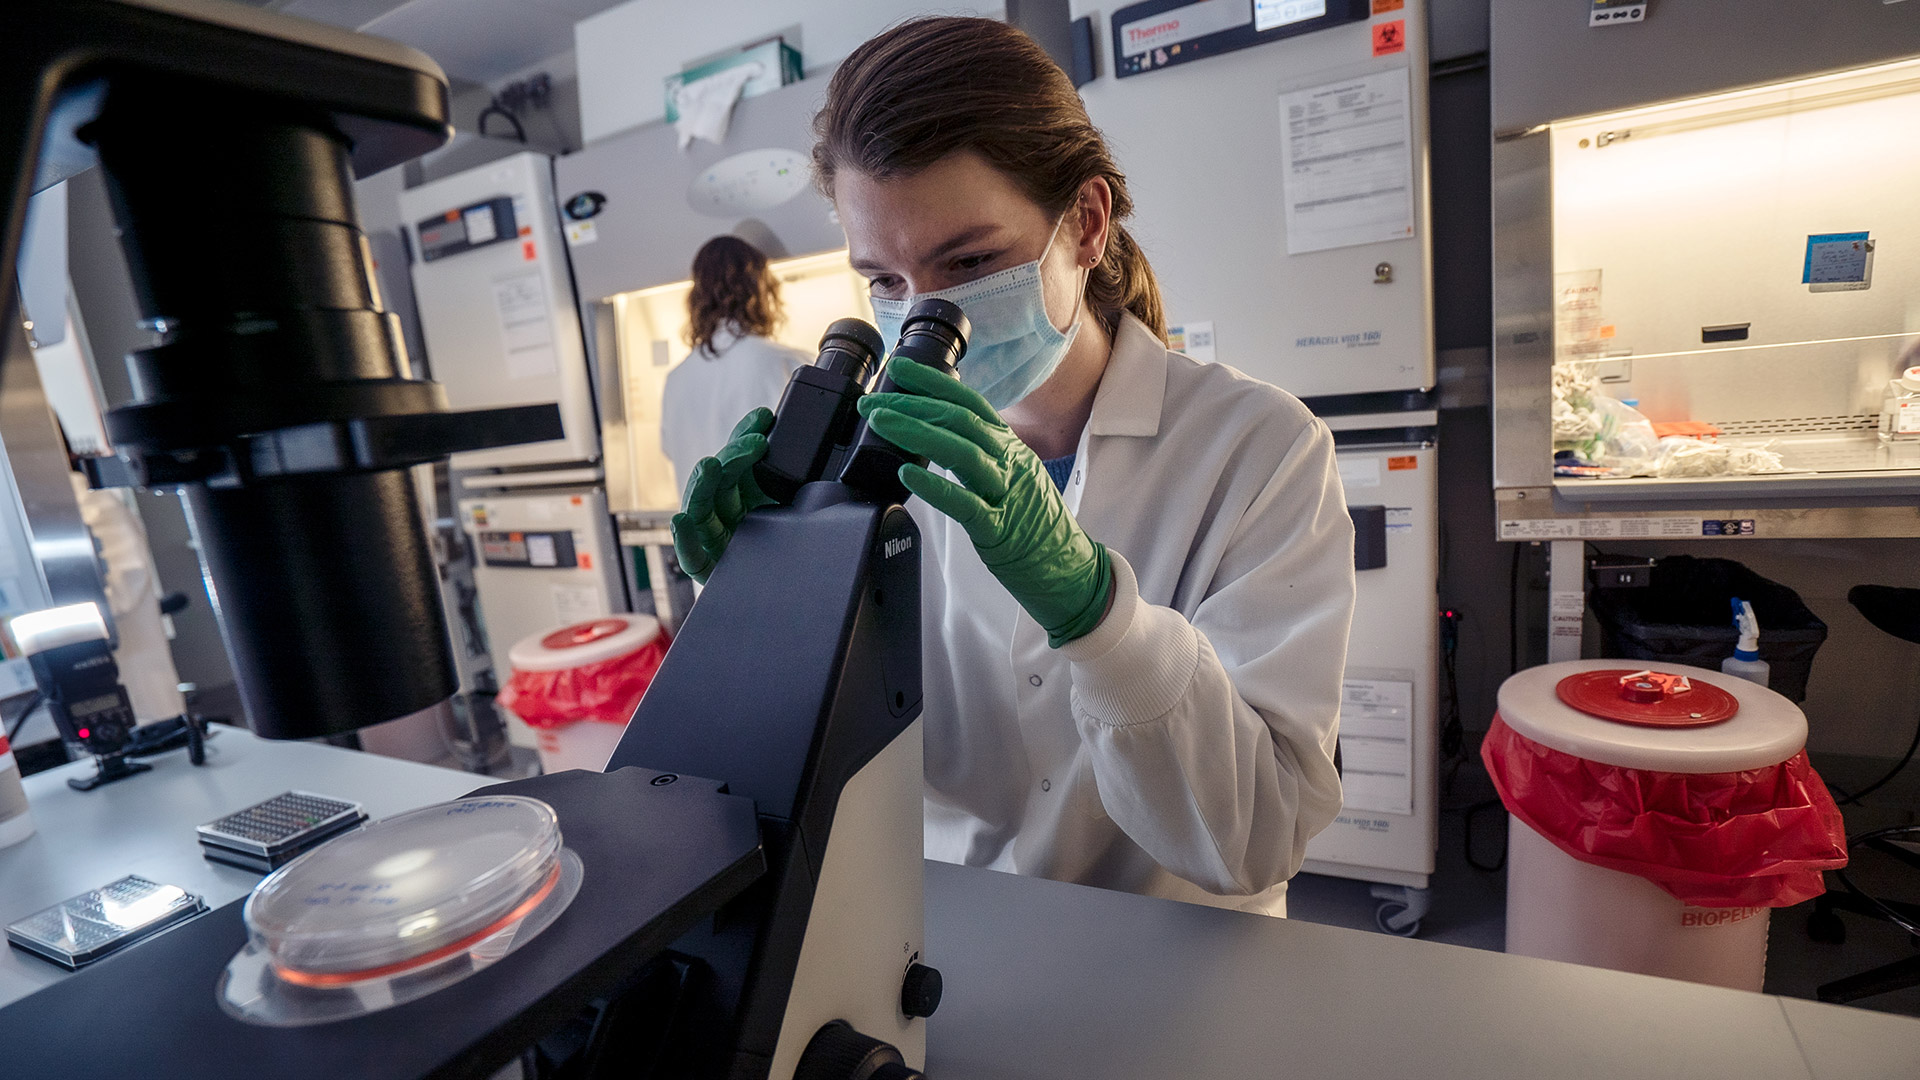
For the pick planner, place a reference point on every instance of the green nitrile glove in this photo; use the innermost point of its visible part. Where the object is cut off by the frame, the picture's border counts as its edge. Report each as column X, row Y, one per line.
column 719, row 493
column 1009, row 506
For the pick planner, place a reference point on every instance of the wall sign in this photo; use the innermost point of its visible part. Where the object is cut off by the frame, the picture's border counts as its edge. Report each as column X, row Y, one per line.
column 1160, row 33
column 1838, row 262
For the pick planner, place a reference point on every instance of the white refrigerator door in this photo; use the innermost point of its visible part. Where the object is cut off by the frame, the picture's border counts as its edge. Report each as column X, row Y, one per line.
column 1388, row 739
column 496, row 303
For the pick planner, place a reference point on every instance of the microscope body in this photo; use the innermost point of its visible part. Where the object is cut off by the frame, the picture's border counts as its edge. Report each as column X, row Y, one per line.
column 277, row 397
column 796, row 677
column 280, row 400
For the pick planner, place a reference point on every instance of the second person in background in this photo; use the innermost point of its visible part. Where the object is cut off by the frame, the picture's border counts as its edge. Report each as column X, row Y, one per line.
column 735, row 367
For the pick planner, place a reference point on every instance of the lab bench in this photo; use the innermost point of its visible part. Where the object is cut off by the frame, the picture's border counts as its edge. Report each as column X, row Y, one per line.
column 1047, row 979
column 145, row 825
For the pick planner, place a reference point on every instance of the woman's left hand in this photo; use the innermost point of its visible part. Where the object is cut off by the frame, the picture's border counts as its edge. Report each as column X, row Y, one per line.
column 1005, row 500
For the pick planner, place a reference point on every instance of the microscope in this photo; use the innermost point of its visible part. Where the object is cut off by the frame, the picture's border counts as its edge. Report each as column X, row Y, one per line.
column 751, row 903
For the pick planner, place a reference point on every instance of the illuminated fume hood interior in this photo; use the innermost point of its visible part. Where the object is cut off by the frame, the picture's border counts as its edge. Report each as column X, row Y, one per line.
column 1743, row 267
column 649, row 328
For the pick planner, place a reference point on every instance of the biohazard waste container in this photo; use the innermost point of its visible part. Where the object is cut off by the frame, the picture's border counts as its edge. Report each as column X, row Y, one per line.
column 578, row 686
column 1659, row 814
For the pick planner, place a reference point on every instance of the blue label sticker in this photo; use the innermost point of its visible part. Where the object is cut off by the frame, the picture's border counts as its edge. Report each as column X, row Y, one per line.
column 1835, row 257
column 1741, row 527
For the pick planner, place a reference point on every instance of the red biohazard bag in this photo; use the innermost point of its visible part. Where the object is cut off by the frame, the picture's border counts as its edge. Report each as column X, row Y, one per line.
column 1756, row 838
column 605, row 690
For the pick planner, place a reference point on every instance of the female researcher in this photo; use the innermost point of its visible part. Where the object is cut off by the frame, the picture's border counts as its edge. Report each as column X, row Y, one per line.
column 733, row 310
column 1139, row 572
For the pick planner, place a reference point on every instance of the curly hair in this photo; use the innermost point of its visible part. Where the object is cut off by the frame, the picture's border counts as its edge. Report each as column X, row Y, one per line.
column 932, row 87
column 733, row 289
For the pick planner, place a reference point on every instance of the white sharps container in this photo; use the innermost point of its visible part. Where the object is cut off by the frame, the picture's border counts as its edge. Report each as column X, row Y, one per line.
column 1564, row 908
column 578, row 685
column 16, row 822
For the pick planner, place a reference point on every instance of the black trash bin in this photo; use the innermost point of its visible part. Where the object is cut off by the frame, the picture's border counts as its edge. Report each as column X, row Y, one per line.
column 1685, row 616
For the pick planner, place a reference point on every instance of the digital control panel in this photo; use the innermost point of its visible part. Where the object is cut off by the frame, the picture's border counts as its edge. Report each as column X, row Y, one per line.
column 535, row 550
column 1155, row 34
column 467, row 227
column 101, row 721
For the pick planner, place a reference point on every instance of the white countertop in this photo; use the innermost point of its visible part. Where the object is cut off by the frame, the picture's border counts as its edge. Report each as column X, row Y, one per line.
column 1052, row 980
column 144, row 824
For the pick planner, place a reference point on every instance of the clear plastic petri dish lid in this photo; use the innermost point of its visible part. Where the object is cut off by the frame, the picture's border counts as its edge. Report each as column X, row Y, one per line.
column 406, row 892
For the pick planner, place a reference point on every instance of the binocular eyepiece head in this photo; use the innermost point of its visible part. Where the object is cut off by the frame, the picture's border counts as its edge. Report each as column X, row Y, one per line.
column 817, row 417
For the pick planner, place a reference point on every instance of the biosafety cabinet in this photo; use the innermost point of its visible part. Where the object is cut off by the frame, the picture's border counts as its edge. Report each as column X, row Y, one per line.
column 1705, row 275
column 645, row 336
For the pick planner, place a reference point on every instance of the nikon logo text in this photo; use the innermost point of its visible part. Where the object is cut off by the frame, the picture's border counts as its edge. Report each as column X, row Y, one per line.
column 896, row 545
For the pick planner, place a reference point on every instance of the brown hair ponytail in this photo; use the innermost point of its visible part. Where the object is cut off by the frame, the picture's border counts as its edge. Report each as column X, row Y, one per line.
column 932, row 87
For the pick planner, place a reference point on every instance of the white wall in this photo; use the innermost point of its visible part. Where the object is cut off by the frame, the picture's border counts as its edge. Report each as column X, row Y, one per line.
column 626, row 53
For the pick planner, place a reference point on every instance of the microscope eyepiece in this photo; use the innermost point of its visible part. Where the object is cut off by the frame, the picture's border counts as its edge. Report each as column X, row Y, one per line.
column 816, row 414
column 935, row 332
column 851, row 347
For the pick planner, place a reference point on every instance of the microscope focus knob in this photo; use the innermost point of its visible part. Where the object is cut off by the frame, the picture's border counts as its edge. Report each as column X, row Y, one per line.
column 838, row 1052
column 920, row 992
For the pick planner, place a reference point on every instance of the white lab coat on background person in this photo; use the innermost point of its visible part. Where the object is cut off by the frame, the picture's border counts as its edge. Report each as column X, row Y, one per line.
column 1183, row 748
column 144, row 657
column 708, row 393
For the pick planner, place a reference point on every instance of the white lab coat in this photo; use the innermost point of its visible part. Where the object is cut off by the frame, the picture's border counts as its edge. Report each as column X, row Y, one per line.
column 144, row 657
column 710, row 391
column 1184, row 748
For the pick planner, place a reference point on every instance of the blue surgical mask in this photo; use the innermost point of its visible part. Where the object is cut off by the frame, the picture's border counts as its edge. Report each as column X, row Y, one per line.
column 1014, row 346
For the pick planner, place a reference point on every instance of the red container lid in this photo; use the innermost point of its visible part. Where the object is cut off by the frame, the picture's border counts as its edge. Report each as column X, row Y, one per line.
column 1647, row 698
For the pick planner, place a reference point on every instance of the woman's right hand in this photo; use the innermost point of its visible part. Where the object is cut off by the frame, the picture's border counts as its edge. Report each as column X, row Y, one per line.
column 719, row 493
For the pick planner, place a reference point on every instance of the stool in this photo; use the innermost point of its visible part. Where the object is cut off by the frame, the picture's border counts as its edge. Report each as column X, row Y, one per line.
column 1895, row 611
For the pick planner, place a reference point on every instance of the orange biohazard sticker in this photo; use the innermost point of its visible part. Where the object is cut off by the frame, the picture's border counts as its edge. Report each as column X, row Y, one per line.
column 526, row 246
column 586, row 561
column 1390, row 37
column 1408, row 461
column 1381, row 7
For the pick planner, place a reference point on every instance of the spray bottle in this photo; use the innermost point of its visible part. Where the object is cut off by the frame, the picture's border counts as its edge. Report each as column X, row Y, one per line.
column 1745, row 662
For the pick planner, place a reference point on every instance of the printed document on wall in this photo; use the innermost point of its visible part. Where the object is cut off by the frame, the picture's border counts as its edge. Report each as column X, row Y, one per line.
column 1376, row 745
column 1347, row 152
column 526, row 326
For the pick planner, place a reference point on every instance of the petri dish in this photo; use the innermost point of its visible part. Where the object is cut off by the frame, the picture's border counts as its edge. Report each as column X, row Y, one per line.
column 398, row 909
